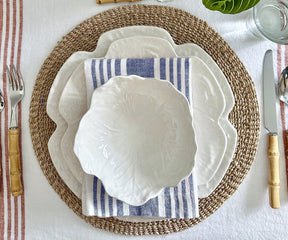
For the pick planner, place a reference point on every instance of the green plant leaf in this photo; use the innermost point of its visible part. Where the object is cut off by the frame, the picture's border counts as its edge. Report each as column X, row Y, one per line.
column 229, row 6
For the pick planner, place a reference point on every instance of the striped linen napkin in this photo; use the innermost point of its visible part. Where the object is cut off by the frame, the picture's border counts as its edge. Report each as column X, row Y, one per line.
column 172, row 202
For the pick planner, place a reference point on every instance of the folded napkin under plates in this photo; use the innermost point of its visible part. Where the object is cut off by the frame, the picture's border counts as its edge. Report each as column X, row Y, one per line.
column 180, row 201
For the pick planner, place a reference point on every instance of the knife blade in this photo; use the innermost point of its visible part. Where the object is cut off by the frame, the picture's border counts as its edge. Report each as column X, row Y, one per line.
column 270, row 123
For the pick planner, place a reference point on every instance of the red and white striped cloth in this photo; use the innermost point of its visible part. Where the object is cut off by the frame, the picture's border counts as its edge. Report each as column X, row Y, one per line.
column 12, row 210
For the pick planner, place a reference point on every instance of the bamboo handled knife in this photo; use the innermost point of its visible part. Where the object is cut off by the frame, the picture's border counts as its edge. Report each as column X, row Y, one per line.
column 270, row 122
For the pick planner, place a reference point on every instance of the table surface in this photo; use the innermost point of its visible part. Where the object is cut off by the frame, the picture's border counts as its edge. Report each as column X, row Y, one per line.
column 43, row 215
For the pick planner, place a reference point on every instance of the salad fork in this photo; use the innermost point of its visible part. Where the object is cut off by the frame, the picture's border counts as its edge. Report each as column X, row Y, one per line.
column 16, row 94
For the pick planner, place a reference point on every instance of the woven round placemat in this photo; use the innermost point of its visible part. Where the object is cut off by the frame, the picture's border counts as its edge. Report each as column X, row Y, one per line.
column 184, row 28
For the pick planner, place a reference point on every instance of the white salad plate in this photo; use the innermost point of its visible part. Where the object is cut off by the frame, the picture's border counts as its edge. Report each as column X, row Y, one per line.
column 137, row 138
column 63, row 166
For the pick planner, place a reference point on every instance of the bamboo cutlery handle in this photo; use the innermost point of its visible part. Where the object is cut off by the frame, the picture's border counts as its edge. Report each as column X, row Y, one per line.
column 274, row 180
column 15, row 166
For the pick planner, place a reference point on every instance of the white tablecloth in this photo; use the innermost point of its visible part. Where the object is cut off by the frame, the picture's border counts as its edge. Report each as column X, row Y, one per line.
column 246, row 215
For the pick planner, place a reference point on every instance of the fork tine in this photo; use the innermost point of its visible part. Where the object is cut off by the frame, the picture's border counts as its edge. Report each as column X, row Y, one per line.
column 10, row 77
column 15, row 77
column 20, row 78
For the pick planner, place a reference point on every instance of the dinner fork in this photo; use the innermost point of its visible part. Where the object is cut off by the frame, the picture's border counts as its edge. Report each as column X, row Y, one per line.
column 16, row 94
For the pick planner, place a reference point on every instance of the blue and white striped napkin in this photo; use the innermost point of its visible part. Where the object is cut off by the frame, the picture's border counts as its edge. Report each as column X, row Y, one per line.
column 172, row 202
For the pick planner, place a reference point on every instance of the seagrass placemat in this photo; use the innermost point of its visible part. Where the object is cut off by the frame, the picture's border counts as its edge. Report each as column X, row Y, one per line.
column 184, row 28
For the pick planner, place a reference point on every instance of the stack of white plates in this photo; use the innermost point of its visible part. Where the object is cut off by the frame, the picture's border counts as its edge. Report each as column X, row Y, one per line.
column 212, row 102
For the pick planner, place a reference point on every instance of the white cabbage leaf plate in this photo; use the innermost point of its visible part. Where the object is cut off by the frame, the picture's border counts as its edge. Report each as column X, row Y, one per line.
column 137, row 138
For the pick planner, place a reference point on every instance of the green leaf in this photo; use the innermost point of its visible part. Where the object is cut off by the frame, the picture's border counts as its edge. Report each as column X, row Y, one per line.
column 229, row 6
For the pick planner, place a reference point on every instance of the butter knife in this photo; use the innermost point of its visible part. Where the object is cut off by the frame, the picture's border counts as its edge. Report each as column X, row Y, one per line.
column 270, row 122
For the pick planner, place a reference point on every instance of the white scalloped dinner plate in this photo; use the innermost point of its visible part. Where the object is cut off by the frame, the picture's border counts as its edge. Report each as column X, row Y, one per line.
column 64, row 166
column 207, row 113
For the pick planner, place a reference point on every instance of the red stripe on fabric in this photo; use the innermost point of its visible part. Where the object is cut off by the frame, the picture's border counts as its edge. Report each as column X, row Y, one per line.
column 284, row 127
column 6, row 121
column 286, row 55
column 1, row 188
column 16, row 209
column 13, row 46
column 1, row 22
column 20, row 121
column 282, row 105
column 7, row 160
column 279, row 59
column 2, row 174
column 284, row 133
column 13, row 33
column 20, row 31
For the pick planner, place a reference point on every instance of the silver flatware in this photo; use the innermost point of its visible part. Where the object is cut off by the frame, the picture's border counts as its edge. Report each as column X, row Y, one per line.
column 283, row 86
column 16, row 94
column 270, row 122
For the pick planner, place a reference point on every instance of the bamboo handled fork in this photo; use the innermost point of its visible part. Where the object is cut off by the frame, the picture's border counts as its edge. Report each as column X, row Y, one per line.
column 16, row 94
